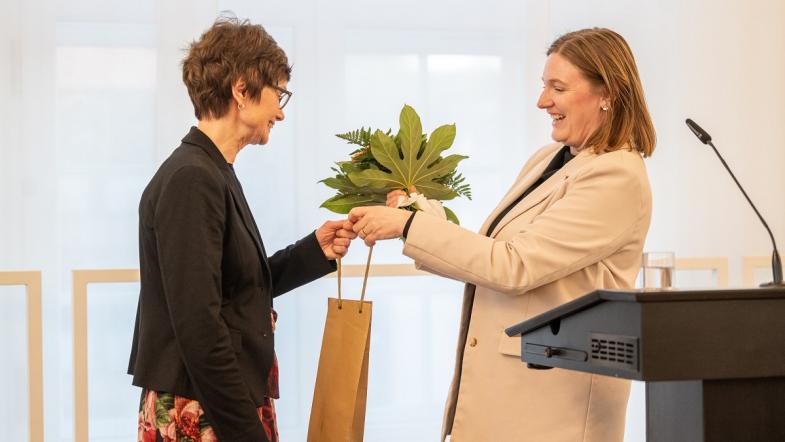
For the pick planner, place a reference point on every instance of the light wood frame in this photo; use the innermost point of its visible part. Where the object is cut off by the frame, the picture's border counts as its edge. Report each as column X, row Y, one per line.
column 35, row 361
column 718, row 265
column 751, row 263
column 81, row 278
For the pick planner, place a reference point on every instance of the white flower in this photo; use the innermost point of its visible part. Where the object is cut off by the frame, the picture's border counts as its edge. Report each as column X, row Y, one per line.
column 420, row 202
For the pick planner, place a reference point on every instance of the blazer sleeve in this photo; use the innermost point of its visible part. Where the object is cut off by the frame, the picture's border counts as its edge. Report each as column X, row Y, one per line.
column 299, row 264
column 189, row 225
column 601, row 212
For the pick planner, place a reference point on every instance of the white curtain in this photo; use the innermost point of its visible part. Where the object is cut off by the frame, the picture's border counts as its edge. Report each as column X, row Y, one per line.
column 91, row 102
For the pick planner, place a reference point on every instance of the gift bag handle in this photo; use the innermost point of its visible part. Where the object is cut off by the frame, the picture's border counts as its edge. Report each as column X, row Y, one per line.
column 365, row 280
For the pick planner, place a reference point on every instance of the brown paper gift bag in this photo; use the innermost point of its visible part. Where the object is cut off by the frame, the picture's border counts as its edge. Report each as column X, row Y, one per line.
column 339, row 396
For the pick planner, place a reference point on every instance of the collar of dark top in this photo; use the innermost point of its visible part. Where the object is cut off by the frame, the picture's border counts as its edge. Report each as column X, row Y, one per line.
column 198, row 138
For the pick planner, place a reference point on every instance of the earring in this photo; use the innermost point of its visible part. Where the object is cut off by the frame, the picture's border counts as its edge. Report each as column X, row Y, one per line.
column 604, row 108
column 240, row 106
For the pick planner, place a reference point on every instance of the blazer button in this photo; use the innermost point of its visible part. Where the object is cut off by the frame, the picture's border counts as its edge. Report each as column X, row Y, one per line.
column 473, row 342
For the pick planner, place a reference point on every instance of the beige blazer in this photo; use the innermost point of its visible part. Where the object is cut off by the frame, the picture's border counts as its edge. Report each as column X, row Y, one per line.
column 580, row 230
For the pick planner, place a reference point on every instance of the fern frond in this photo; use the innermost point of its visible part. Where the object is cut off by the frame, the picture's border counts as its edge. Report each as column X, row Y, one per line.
column 361, row 137
column 455, row 181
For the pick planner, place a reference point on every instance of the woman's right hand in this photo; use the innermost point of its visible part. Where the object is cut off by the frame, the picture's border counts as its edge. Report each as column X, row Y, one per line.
column 335, row 237
column 374, row 223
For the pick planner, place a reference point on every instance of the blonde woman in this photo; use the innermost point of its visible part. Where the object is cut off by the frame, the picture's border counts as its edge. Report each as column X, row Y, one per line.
column 574, row 220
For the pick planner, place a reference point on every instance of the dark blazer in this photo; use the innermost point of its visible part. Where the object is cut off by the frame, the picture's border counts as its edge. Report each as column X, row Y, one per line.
column 203, row 327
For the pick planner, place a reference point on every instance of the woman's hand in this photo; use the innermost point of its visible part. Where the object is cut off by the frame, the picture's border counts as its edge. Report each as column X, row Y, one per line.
column 335, row 237
column 374, row 223
column 392, row 197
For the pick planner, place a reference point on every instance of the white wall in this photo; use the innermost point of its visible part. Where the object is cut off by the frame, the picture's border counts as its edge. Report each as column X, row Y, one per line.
column 91, row 102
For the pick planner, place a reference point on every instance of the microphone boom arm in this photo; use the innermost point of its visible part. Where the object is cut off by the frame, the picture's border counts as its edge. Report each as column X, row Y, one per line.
column 776, row 262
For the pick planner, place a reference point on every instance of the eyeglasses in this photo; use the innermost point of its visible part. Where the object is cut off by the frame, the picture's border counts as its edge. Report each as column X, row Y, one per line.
column 284, row 96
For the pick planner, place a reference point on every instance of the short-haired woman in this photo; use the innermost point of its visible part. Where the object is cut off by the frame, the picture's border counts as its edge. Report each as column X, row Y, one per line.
column 203, row 341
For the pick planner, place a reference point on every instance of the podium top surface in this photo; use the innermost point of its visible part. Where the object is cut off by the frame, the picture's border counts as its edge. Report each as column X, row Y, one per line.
column 643, row 296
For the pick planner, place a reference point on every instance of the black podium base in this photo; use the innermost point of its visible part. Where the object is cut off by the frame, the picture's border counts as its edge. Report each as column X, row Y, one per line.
column 728, row 410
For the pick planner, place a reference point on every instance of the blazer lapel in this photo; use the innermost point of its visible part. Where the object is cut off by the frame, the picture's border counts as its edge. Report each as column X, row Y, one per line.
column 199, row 139
column 250, row 225
column 518, row 188
column 544, row 190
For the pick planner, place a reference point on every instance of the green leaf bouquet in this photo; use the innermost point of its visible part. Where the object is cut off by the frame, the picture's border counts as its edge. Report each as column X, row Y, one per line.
column 409, row 161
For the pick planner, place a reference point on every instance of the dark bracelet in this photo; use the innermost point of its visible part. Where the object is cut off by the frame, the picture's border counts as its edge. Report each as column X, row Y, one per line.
column 407, row 225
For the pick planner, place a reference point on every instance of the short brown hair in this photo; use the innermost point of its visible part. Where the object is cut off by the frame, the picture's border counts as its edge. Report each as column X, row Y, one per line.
column 231, row 50
column 605, row 59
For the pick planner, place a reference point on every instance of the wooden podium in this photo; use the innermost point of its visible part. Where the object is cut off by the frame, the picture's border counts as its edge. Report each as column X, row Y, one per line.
column 713, row 360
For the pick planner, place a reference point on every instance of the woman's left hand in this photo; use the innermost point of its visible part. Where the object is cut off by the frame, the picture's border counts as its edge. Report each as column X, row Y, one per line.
column 335, row 237
column 392, row 197
column 374, row 223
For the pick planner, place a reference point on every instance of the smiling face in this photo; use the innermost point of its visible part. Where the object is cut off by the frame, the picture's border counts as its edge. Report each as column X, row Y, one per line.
column 573, row 102
column 257, row 118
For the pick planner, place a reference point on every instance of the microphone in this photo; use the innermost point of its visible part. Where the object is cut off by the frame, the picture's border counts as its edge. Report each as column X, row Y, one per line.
column 702, row 135
column 776, row 262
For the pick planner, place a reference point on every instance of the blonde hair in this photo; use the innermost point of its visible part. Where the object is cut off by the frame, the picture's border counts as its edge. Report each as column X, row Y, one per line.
column 606, row 60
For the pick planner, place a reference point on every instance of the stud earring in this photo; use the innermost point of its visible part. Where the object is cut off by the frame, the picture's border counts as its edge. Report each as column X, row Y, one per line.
column 604, row 108
column 240, row 106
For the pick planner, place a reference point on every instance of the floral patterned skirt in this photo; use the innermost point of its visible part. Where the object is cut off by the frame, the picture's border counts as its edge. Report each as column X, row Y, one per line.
column 166, row 417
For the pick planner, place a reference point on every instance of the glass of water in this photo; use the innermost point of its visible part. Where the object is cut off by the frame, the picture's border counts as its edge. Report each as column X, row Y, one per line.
column 657, row 269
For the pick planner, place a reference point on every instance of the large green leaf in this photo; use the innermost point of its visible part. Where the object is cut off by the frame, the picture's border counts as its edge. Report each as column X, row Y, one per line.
column 376, row 179
column 410, row 134
column 405, row 160
column 441, row 139
column 348, row 167
column 436, row 191
column 339, row 182
column 342, row 184
column 344, row 203
column 409, row 162
column 440, row 168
